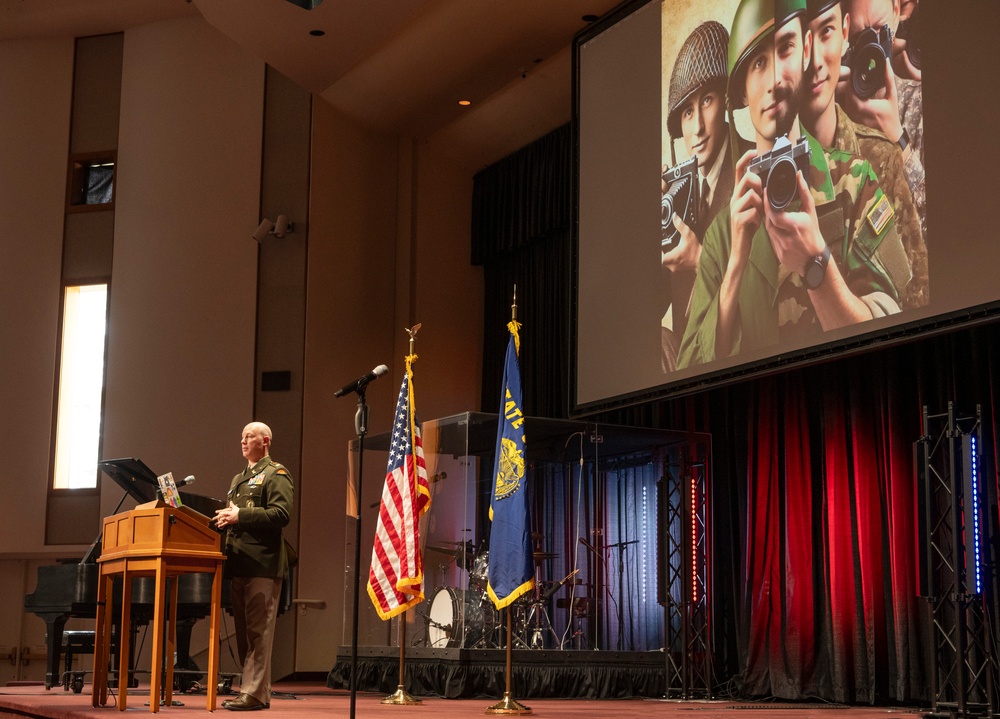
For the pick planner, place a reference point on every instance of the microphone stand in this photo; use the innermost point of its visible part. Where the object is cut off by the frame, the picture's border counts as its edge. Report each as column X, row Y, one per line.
column 361, row 427
column 621, row 547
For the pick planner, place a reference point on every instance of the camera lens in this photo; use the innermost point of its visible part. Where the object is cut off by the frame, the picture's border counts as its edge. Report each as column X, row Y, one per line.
column 868, row 73
column 868, row 65
column 781, row 184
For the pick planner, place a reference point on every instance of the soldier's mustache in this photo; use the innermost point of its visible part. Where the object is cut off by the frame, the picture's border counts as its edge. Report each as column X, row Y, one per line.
column 786, row 92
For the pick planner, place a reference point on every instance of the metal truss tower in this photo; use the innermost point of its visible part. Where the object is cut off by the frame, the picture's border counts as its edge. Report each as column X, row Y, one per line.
column 953, row 552
column 685, row 586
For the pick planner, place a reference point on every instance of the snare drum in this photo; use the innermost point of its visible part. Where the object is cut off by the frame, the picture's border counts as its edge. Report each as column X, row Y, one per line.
column 456, row 618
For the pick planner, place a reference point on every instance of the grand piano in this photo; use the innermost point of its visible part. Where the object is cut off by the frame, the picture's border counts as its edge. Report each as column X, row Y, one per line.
column 70, row 590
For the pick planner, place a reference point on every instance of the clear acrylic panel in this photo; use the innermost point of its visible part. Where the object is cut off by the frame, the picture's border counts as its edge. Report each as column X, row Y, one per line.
column 594, row 522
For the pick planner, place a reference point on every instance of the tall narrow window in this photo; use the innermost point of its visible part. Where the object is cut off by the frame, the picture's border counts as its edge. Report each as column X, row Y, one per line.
column 81, row 385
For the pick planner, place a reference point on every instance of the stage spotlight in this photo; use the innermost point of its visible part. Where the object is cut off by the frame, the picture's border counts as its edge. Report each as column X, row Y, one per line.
column 263, row 229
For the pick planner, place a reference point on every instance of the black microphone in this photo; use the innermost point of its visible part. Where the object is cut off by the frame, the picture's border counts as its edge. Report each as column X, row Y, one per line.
column 184, row 482
column 361, row 382
column 588, row 545
column 547, row 595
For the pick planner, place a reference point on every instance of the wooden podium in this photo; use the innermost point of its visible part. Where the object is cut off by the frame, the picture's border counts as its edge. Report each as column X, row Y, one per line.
column 163, row 542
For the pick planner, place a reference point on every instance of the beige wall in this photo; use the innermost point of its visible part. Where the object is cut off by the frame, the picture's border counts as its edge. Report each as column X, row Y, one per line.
column 350, row 326
column 183, row 296
column 388, row 246
column 449, row 291
column 35, row 83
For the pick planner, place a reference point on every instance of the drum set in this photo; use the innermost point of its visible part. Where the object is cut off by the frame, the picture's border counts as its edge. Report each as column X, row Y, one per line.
column 467, row 618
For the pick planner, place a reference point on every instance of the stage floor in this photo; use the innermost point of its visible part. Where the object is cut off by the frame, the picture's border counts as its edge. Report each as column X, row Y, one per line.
column 312, row 699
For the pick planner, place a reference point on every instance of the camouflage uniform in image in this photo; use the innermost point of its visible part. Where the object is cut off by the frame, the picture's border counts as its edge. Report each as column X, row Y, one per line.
column 855, row 219
column 886, row 159
column 887, row 162
column 911, row 114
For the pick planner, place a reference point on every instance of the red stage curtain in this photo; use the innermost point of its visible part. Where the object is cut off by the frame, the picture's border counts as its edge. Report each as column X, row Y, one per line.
column 831, row 539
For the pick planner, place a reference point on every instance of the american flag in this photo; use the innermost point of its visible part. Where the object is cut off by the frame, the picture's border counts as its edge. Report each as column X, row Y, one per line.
column 395, row 579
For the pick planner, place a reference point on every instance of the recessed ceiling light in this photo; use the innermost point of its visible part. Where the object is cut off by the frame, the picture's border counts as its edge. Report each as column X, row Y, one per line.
column 317, row 33
column 465, row 103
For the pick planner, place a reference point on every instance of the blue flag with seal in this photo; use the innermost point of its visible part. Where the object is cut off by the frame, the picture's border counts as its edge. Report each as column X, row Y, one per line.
column 511, row 564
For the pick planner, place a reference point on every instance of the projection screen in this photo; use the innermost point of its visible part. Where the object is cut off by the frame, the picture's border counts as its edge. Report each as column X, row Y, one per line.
column 845, row 231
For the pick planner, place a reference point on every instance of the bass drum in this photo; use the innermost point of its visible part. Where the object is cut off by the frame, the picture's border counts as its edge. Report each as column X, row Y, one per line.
column 456, row 619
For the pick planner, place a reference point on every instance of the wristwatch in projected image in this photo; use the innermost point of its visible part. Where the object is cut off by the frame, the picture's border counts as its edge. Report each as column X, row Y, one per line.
column 816, row 269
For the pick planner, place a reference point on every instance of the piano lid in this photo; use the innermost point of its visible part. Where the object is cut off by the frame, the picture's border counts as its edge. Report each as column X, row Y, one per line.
column 139, row 482
column 132, row 475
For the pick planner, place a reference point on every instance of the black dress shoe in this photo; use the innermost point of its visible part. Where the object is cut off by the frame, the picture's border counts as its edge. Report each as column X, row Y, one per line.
column 243, row 703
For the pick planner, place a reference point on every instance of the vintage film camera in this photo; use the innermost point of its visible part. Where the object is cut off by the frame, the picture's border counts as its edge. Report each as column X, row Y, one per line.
column 866, row 58
column 682, row 196
column 777, row 170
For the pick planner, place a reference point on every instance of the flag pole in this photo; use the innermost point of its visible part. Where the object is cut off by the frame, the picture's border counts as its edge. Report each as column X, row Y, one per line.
column 401, row 696
column 509, row 705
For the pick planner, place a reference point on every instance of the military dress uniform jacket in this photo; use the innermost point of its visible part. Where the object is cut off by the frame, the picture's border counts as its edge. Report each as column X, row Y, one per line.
column 254, row 546
column 856, row 221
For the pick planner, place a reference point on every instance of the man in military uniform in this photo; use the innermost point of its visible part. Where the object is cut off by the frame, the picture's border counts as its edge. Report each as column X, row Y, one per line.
column 260, row 504
column 766, row 275
column 825, row 120
column 696, row 113
column 897, row 111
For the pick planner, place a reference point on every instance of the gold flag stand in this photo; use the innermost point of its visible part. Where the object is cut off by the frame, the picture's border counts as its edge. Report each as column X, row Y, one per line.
column 508, row 705
column 401, row 696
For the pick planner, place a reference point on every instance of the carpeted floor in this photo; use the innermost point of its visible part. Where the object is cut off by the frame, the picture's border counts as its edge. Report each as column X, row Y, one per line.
column 294, row 700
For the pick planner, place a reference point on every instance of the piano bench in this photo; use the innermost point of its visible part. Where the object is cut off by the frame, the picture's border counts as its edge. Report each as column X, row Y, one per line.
column 75, row 642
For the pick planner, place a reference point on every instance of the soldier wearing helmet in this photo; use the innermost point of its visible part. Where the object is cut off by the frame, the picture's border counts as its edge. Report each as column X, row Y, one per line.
column 830, row 259
column 696, row 114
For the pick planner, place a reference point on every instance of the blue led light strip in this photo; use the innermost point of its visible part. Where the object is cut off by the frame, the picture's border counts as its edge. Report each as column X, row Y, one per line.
column 976, row 549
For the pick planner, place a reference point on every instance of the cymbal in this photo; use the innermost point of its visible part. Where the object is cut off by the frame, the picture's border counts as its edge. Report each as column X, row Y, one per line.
column 446, row 550
column 544, row 555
